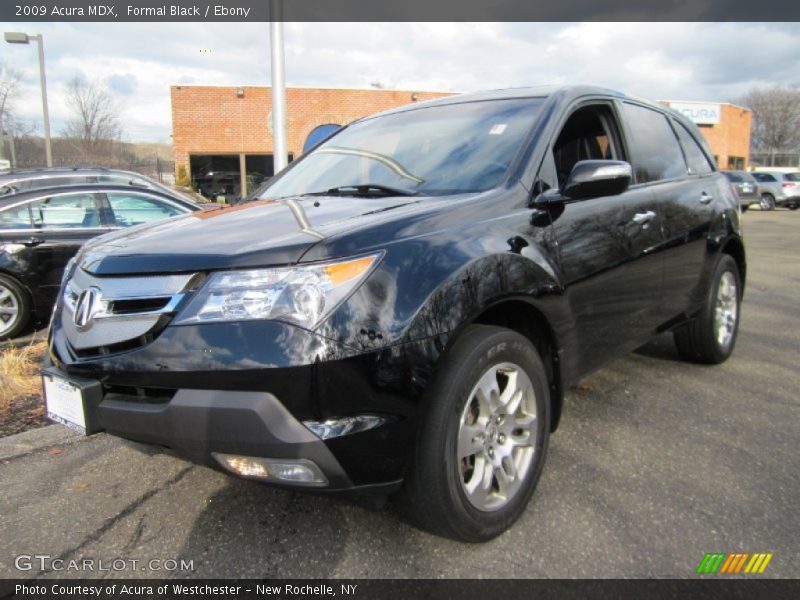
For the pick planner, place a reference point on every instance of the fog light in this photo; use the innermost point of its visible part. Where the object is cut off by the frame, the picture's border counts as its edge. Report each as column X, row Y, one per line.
column 343, row 426
column 299, row 471
column 244, row 465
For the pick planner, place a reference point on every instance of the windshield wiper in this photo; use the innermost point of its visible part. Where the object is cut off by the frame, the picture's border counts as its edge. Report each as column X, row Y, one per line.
column 366, row 189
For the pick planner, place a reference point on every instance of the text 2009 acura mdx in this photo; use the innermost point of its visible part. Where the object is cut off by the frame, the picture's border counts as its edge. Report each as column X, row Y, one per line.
column 401, row 310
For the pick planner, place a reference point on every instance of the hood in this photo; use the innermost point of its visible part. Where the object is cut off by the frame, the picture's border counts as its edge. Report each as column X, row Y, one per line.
column 252, row 234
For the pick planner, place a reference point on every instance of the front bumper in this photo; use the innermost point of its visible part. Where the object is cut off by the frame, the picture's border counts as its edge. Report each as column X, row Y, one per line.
column 245, row 388
column 197, row 423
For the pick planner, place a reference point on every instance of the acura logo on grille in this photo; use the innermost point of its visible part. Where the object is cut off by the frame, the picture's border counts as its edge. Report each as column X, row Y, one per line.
column 87, row 305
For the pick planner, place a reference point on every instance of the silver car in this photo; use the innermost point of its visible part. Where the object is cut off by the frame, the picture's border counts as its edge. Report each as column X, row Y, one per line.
column 21, row 180
column 778, row 189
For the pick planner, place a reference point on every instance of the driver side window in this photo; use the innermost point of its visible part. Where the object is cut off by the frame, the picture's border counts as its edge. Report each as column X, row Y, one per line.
column 588, row 134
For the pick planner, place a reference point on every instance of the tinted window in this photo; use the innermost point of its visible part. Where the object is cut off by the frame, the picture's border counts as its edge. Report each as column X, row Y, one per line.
column 16, row 217
column 66, row 211
column 791, row 176
column 695, row 157
column 131, row 209
column 766, row 177
column 656, row 153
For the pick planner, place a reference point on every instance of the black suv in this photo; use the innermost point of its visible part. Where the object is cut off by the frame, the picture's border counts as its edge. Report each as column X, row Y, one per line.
column 400, row 310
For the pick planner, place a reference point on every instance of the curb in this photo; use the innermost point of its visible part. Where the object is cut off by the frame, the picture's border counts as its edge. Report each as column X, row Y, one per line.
column 26, row 442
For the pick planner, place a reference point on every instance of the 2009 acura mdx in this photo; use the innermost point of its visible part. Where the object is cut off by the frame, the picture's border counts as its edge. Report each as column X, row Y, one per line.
column 400, row 310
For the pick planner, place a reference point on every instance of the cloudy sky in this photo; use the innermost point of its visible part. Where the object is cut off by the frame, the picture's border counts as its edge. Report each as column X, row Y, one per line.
column 138, row 61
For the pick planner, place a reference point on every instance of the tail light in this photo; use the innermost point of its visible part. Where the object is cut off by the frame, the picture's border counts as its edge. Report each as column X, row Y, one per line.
column 788, row 184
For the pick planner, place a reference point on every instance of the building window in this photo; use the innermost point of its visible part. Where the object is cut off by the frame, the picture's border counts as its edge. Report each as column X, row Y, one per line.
column 736, row 163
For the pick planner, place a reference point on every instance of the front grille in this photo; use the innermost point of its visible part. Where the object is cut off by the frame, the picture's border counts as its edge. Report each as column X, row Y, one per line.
column 125, row 346
column 106, row 315
column 137, row 305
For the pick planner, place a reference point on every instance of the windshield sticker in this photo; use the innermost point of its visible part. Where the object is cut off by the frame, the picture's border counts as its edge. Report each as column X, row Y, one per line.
column 498, row 128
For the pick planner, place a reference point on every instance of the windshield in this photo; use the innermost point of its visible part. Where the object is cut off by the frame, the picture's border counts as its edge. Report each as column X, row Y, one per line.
column 436, row 150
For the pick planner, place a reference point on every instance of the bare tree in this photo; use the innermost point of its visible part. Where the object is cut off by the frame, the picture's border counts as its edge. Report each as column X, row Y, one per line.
column 95, row 126
column 776, row 118
column 9, row 88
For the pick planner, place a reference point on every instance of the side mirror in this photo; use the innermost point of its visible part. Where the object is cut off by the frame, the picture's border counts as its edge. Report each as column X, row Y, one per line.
column 595, row 178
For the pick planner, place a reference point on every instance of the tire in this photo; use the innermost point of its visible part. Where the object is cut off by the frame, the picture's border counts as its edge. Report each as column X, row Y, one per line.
column 792, row 206
column 436, row 493
column 745, row 207
column 711, row 336
column 767, row 202
column 15, row 308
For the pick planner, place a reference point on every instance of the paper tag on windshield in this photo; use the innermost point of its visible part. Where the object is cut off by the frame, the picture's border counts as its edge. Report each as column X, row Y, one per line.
column 498, row 128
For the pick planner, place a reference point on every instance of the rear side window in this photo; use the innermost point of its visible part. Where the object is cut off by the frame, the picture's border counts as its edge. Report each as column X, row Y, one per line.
column 695, row 157
column 791, row 176
column 132, row 209
column 656, row 152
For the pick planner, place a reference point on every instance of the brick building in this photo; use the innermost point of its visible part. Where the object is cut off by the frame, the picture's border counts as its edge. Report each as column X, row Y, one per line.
column 222, row 136
column 725, row 126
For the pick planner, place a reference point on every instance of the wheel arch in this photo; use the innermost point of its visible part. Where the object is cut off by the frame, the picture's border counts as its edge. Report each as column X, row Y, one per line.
column 735, row 249
column 521, row 315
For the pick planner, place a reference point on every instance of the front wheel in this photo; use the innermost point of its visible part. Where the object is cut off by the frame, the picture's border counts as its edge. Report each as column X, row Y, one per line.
column 767, row 202
column 15, row 308
column 483, row 441
column 710, row 337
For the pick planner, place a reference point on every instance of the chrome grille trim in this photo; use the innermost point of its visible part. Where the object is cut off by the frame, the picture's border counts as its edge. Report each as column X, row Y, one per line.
column 105, row 327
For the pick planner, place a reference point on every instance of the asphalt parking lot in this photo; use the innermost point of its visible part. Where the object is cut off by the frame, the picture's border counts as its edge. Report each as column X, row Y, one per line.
column 656, row 463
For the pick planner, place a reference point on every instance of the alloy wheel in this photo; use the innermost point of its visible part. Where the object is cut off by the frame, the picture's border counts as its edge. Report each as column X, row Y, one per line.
column 9, row 309
column 497, row 437
column 726, row 309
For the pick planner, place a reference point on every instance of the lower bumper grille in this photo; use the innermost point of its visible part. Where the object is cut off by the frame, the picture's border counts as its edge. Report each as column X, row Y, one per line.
column 138, row 395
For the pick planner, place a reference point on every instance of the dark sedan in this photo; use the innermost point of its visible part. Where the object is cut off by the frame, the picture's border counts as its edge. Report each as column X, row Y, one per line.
column 746, row 188
column 42, row 229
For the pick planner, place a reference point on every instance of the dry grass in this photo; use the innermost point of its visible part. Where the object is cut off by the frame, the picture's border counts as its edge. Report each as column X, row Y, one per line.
column 19, row 373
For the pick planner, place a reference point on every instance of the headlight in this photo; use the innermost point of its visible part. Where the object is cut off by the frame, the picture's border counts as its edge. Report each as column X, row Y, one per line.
column 302, row 295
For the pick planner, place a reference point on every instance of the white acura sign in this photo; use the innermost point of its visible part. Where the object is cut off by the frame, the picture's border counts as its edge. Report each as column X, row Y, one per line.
column 701, row 113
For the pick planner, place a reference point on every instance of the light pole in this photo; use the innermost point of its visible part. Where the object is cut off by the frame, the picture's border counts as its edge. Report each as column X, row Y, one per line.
column 279, row 152
column 23, row 38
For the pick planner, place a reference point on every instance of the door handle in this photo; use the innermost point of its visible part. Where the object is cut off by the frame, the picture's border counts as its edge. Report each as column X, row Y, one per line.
column 33, row 242
column 643, row 218
column 705, row 198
